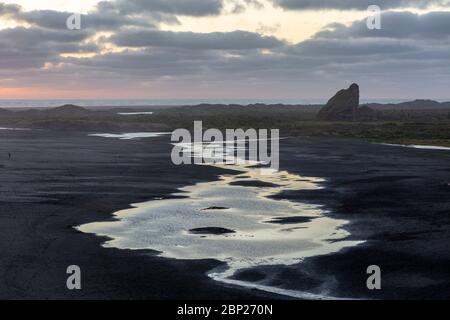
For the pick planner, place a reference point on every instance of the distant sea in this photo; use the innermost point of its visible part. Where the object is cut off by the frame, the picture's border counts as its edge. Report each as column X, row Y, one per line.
column 10, row 104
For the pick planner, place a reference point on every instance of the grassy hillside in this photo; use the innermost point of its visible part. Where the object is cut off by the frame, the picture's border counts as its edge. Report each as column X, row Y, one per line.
column 394, row 125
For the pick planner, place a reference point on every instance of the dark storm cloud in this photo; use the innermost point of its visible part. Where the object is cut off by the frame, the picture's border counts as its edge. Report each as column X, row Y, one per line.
column 356, row 4
column 237, row 40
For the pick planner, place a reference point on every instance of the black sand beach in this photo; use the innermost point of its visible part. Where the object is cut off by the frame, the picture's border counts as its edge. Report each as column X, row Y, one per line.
column 397, row 199
column 54, row 181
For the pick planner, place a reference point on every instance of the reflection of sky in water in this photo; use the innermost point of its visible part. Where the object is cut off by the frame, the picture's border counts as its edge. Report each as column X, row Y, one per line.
column 164, row 225
column 14, row 129
column 130, row 136
column 415, row 146
column 134, row 113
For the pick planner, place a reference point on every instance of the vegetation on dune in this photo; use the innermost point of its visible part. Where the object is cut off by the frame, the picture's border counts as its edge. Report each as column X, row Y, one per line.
column 393, row 125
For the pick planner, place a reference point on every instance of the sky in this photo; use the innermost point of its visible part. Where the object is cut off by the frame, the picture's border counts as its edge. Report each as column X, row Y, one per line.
column 223, row 49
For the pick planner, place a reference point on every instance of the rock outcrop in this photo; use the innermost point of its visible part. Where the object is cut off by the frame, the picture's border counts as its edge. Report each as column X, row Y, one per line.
column 343, row 106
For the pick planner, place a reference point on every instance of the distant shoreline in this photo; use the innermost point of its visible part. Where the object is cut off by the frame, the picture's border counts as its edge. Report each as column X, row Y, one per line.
column 421, row 122
column 17, row 104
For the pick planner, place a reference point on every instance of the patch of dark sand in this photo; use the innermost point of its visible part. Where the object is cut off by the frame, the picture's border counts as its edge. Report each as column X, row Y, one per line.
column 282, row 276
column 250, row 275
column 291, row 220
column 254, row 183
column 402, row 236
column 211, row 231
column 381, row 179
column 292, row 229
column 170, row 197
column 400, row 218
column 215, row 208
column 404, row 275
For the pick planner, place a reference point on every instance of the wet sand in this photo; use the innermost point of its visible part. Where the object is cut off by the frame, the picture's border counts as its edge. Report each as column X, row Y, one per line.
column 253, row 232
column 397, row 200
column 55, row 181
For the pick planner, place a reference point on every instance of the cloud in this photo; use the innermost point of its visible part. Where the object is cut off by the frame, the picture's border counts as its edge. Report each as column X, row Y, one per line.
column 410, row 51
column 9, row 9
column 404, row 37
column 176, row 7
column 399, row 25
column 240, row 6
column 237, row 40
column 413, row 49
column 33, row 47
column 356, row 4
column 112, row 15
column 352, row 48
column 96, row 20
